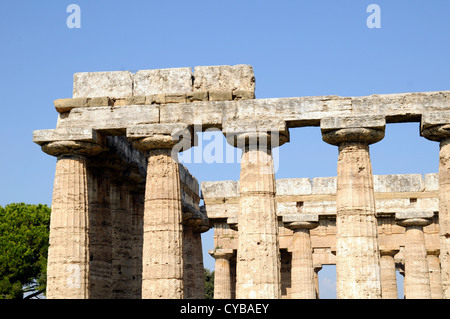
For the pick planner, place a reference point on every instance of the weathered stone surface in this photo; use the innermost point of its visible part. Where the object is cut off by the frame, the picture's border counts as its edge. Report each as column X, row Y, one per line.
column 67, row 134
column 224, row 78
column 116, row 84
column 367, row 129
column 110, row 119
column 324, row 185
column 398, row 183
column 175, row 80
column 413, row 215
column 293, row 186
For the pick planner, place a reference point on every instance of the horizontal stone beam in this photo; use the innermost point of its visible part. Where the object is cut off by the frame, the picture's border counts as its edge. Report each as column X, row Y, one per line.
column 296, row 112
column 67, row 134
column 318, row 196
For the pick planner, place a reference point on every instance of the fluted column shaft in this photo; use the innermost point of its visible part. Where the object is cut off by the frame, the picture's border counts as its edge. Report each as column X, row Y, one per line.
column 444, row 214
column 388, row 275
column 302, row 273
column 258, row 260
column 68, row 269
column 417, row 278
column 357, row 254
column 434, row 268
column 222, row 273
column 122, row 263
column 435, row 126
column 162, row 275
column 68, row 254
column 162, row 252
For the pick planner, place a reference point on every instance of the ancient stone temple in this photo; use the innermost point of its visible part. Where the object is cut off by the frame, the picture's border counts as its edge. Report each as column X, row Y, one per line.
column 127, row 216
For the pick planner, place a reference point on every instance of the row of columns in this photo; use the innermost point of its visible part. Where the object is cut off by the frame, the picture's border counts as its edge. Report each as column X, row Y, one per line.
column 258, row 262
column 92, row 253
column 358, row 259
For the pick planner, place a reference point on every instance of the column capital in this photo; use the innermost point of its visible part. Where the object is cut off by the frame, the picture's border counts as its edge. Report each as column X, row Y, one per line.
column 413, row 218
column 221, row 253
column 367, row 129
column 248, row 133
column 435, row 126
column 301, row 221
column 70, row 141
column 386, row 251
column 196, row 219
column 176, row 136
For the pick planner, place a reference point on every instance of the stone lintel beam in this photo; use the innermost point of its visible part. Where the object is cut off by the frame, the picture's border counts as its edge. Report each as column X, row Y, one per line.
column 297, row 111
column 241, row 134
column 153, row 136
column 435, row 126
column 82, row 141
column 367, row 129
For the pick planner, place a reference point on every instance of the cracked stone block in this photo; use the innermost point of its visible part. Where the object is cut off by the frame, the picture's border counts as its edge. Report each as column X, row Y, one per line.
column 224, row 78
column 117, row 84
column 158, row 81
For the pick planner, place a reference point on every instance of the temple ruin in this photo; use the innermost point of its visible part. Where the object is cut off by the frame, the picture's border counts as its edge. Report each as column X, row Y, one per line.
column 127, row 217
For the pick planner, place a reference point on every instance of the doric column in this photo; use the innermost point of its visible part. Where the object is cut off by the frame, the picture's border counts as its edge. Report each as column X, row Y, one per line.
column 162, row 261
column 222, row 273
column 434, row 268
column 68, row 255
column 436, row 127
column 357, row 254
column 303, row 285
column 258, row 256
column 417, row 278
column 388, row 275
column 122, row 263
column 317, row 268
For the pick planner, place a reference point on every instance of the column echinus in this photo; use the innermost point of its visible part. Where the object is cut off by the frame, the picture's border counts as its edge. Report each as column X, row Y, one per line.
column 417, row 277
column 68, row 255
column 303, row 284
column 162, row 253
column 258, row 256
column 357, row 253
column 435, row 126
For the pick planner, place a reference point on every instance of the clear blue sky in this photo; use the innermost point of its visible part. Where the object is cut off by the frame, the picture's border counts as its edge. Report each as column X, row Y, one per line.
column 297, row 48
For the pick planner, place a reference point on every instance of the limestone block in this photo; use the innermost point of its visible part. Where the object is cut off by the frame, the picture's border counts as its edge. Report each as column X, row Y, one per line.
column 99, row 84
column 291, row 218
column 65, row 105
column 224, row 189
column 366, row 121
column 431, row 182
column 324, row 185
column 398, row 183
column 224, row 77
column 413, row 215
column 293, row 186
column 197, row 96
column 110, row 118
column 174, row 80
column 205, row 113
column 434, row 118
column 66, row 134
column 320, row 207
column 225, row 95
